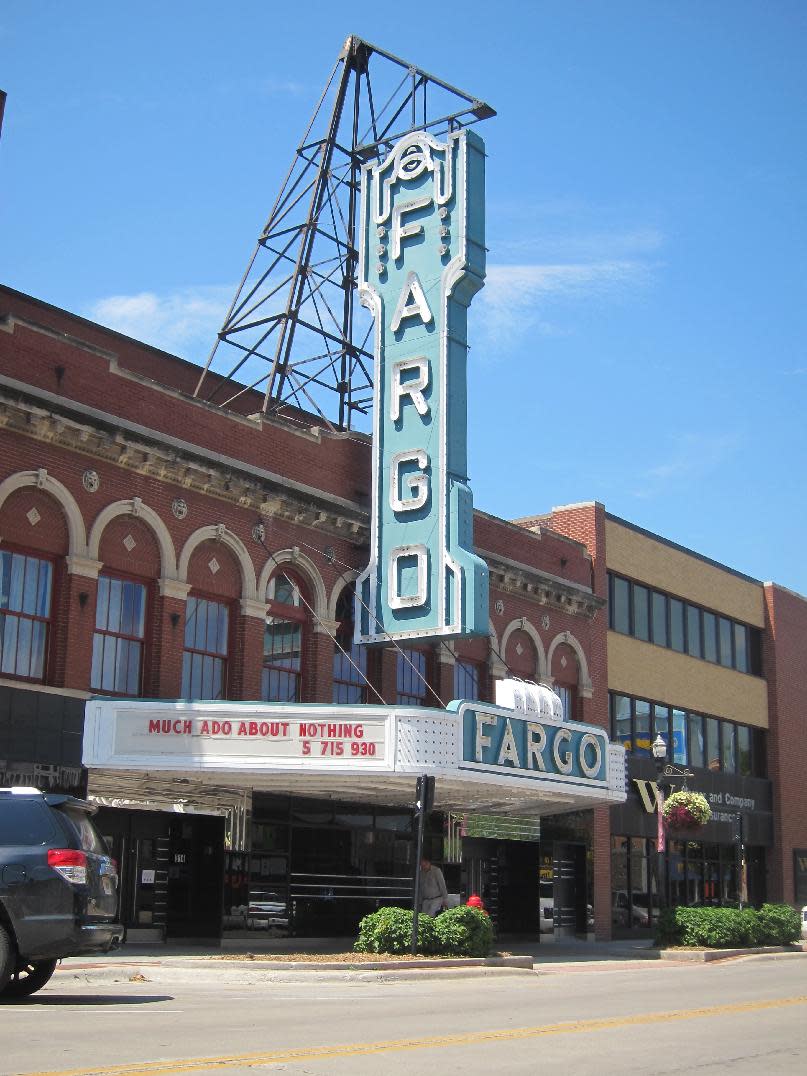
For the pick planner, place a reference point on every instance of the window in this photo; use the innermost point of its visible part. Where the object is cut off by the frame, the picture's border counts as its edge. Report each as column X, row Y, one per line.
column 679, row 738
column 412, row 678
column 712, row 743
column 695, row 728
column 117, row 645
column 467, row 680
column 677, row 625
column 653, row 616
column 729, row 748
column 350, row 667
column 567, row 699
column 620, row 605
column 744, row 764
column 283, row 641
column 643, row 737
column 641, row 614
column 620, row 721
column 724, row 641
column 710, row 636
column 659, row 606
column 741, row 647
column 694, row 639
column 204, row 661
column 25, row 603
column 661, row 725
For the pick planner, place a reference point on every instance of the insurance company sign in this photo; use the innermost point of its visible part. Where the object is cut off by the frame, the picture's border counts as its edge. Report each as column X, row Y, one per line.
column 421, row 260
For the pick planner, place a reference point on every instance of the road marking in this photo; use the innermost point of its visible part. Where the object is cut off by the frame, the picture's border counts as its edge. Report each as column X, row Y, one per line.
column 358, row 1049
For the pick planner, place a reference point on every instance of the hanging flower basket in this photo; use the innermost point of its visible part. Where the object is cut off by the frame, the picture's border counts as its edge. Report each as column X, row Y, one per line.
column 686, row 810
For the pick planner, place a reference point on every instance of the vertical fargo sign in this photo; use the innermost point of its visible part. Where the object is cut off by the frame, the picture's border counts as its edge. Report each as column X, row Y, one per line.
column 421, row 261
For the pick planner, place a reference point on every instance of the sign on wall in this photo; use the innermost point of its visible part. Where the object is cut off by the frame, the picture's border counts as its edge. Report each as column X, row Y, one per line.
column 421, row 261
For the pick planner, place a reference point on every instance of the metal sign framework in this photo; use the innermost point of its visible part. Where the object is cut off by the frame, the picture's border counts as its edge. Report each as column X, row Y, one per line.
column 294, row 331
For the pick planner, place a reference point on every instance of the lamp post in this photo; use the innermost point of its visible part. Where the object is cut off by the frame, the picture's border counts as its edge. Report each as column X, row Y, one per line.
column 667, row 773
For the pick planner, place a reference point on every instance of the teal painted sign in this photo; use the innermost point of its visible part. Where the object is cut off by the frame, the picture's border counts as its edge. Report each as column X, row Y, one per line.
column 496, row 740
column 421, row 261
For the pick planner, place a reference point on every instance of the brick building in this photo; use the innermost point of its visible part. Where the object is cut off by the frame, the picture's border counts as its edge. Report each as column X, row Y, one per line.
column 713, row 661
column 157, row 546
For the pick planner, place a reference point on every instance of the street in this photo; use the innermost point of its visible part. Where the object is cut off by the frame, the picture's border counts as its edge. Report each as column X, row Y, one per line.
column 639, row 1017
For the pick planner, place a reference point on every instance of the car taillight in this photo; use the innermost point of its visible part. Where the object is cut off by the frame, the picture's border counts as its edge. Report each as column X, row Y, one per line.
column 70, row 863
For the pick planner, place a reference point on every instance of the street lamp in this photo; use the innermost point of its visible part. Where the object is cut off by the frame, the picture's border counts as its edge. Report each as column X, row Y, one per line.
column 667, row 773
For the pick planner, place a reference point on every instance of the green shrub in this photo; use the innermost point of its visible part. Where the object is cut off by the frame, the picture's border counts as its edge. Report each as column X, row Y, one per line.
column 389, row 930
column 463, row 931
column 779, row 924
column 728, row 928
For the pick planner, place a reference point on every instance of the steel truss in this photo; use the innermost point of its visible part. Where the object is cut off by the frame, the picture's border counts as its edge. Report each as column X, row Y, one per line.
column 295, row 332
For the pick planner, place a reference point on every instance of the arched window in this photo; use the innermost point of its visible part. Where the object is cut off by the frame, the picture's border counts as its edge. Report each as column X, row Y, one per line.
column 349, row 663
column 284, row 639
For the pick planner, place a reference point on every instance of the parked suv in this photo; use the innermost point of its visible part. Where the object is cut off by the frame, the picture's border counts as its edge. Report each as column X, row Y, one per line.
column 58, row 887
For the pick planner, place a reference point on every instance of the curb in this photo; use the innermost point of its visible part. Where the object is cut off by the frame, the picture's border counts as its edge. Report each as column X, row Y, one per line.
column 704, row 956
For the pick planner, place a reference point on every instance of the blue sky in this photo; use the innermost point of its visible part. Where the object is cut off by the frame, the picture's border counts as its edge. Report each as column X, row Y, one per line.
column 642, row 338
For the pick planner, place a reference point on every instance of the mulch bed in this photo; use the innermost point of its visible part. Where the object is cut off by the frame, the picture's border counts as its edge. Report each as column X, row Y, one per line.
column 333, row 958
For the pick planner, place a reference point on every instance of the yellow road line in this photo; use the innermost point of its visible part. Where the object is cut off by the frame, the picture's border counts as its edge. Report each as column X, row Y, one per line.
column 314, row 1053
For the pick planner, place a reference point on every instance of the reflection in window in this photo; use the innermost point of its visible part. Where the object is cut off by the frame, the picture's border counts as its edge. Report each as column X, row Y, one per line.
column 117, row 645
column 679, row 737
column 741, row 647
column 724, row 639
column 204, row 661
column 25, row 601
column 695, row 722
column 744, row 750
column 710, row 636
column 729, row 753
column 661, row 725
column 677, row 625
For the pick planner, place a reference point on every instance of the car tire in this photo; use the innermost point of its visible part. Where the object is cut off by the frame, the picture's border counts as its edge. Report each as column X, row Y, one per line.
column 8, row 957
column 27, row 979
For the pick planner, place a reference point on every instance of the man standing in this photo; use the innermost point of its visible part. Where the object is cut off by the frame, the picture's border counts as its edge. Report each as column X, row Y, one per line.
column 433, row 892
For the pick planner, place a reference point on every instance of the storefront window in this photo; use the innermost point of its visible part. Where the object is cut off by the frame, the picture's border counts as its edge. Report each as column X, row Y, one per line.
column 204, row 660
column 729, row 750
column 679, row 737
column 117, row 645
column 712, row 743
column 695, row 725
column 744, row 763
column 25, row 601
column 661, row 724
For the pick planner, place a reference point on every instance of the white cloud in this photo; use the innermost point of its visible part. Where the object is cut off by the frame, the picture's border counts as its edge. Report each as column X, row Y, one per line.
column 694, row 456
column 516, row 298
column 184, row 322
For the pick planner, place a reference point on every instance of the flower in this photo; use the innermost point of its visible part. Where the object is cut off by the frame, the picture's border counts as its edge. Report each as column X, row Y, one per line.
column 685, row 810
column 475, row 901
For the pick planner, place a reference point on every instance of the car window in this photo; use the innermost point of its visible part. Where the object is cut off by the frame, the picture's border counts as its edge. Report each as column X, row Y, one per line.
column 24, row 823
column 88, row 836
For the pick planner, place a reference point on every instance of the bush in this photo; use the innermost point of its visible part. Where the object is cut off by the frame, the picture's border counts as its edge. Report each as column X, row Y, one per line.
column 389, row 930
column 728, row 928
column 463, row 931
column 779, row 924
